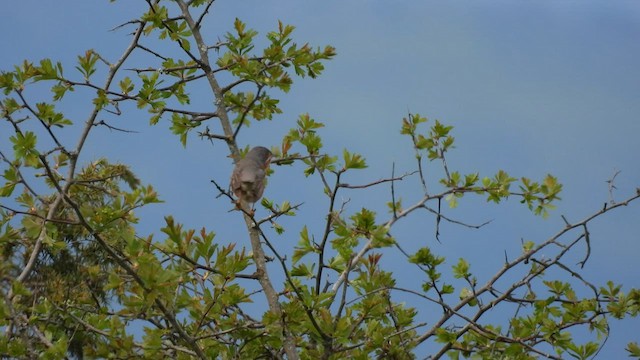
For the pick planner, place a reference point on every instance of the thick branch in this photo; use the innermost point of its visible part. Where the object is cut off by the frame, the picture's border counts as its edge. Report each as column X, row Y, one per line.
column 254, row 234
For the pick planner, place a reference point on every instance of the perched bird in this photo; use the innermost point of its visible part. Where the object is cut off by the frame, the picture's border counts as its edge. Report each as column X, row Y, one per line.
column 248, row 177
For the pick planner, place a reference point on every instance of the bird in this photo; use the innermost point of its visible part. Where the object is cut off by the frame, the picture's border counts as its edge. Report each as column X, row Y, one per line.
column 248, row 176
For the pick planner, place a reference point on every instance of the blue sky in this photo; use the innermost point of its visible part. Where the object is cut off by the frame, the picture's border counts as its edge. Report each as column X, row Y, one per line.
column 531, row 88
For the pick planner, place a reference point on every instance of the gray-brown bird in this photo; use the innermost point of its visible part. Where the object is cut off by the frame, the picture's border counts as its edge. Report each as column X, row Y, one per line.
column 248, row 176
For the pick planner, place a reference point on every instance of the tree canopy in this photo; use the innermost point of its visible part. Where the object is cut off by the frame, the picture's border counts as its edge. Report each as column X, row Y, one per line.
column 80, row 279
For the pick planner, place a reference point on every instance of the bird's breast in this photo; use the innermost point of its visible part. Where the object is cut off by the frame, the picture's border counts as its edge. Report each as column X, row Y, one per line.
column 246, row 185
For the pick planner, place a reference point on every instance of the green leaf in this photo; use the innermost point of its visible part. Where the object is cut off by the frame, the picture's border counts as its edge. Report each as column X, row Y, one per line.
column 527, row 246
column 181, row 125
column 7, row 82
column 306, row 123
column 12, row 179
column 424, row 256
column 304, row 246
column 364, row 221
column 58, row 350
column 461, row 269
column 452, row 200
column 303, row 270
column 87, row 63
column 126, row 85
column 445, row 337
column 447, row 289
column 47, row 113
column 353, row 161
column 9, row 106
column 633, row 349
column 440, row 130
column 471, row 179
column 557, row 287
column 24, row 147
column 60, row 89
column 47, row 71
column 312, row 142
column 18, row 288
column 465, row 293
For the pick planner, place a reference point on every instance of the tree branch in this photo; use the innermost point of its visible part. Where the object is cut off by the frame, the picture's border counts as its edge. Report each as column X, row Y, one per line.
column 62, row 192
column 254, row 234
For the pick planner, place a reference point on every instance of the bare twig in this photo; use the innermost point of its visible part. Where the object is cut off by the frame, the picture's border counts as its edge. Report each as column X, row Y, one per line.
column 210, row 136
column 110, row 127
column 151, row 52
column 587, row 240
column 244, row 114
column 54, row 220
column 612, row 187
column 130, row 22
column 204, row 13
column 327, row 230
column 393, row 192
column 277, row 213
column 454, row 221
column 438, row 218
column 381, row 181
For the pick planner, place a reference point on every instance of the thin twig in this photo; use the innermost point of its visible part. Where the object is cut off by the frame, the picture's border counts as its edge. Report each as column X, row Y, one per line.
column 204, row 13
column 453, row 221
column 393, row 191
column 612, row 187
column 381, row 181
column 587, row 240
column 244, row 114
column 110, row 127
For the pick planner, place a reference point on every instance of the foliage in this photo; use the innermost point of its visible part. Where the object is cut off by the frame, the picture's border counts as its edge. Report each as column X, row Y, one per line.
column 76, row 275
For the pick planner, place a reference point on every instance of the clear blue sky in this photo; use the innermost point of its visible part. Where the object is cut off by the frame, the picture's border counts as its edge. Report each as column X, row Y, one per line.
column 531, row 87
